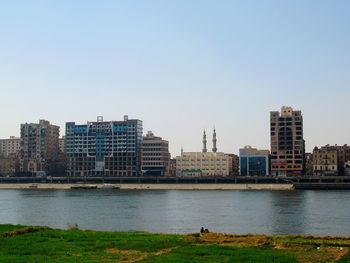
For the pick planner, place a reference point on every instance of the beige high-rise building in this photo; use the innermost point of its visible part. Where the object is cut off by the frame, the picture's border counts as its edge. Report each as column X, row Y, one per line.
column 287, row 142
column 39, row 146
column 10, row 146
column 155, row 156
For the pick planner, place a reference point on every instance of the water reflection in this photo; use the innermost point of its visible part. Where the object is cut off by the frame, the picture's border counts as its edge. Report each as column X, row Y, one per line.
column 287, row 211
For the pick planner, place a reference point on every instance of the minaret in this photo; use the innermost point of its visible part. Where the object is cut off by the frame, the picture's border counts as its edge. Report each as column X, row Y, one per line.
column 214, row 142
column 204, row 142
column 182, row 150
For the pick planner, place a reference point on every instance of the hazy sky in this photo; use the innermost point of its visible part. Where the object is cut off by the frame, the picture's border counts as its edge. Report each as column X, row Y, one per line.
column 180, row 66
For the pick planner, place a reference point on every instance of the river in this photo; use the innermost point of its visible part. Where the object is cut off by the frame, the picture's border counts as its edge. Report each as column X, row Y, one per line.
column 182, row 211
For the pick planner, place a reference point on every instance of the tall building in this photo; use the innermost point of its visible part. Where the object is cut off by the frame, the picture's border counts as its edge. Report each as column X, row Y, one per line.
column 155, row 157
column 39, row 146
column 10, row 146
column 104, row 148
column 253, row 162
column 287, row 142
column 325, row 160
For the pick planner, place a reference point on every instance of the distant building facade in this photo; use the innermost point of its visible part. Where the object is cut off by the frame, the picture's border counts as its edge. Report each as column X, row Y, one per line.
column 325, row 160
column 104, row 148
column 155, row 156
column 287, row 142
column 62, row 144
column 9, row 165
column 10, row 146
column 309, row 169
column 253, row 162
column 195, row 164
column 39, row 147
column 234, row 164
column 331, row 159
column 172, row 167
column 343, row 156
column 203, row 163
column 347, row 168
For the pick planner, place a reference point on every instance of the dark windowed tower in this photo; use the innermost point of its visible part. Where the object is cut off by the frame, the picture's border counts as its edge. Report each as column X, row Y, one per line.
column 287, row 142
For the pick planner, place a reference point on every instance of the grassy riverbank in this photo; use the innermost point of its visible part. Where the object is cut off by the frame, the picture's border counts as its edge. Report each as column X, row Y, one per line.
column 42, row 244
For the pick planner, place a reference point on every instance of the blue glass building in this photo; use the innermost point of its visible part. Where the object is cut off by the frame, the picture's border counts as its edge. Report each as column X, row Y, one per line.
column 104, row 148
column 253, row 162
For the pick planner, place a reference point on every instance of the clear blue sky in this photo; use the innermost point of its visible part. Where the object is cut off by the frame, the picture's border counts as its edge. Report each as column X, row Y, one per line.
column 180, row 66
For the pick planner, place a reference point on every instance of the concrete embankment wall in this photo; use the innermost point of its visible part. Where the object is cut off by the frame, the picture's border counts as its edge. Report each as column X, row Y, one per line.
column 153, row 186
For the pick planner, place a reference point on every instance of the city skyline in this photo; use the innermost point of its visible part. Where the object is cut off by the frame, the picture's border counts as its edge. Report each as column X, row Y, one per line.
column 180, row 68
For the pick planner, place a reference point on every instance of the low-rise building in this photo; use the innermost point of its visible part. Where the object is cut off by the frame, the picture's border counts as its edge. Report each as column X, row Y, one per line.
column 309, row 169
column 343, row 157
column 203, row 163
column 155, row 156
column 347, row 168
column 9, row 164
column 172, row 169
column 234, row 164
column 325, row 160
column 253, row 162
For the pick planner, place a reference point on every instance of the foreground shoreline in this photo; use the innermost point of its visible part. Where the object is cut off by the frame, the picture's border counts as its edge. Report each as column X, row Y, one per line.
column 74, row 245
column 53, row 186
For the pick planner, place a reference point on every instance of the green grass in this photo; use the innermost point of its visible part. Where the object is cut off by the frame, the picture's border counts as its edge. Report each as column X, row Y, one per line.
column 7, row 228
column 35, row 244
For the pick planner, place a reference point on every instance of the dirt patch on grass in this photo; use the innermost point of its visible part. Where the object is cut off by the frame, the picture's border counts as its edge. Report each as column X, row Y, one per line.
column 232, row 240
column 314, row 254
column 130, row 255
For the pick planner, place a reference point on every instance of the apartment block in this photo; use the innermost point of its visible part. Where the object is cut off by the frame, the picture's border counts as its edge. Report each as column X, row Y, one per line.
column 330, row 159
column 10, row 146
column 104, row 148
column 155, row 156
column 325, row 160
column 287, row 142
column 39, row 146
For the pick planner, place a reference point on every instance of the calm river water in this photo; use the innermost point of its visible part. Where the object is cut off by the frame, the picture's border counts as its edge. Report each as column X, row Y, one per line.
column 268, row 212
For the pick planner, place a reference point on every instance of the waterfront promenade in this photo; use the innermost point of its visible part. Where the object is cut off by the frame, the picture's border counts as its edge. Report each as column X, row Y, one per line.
column 179, row 183
column 150, row 186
